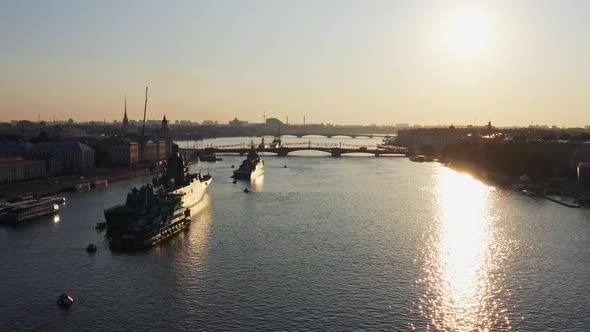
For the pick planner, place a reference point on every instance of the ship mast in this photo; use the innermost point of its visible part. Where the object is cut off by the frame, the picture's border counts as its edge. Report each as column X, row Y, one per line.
column 144, row 111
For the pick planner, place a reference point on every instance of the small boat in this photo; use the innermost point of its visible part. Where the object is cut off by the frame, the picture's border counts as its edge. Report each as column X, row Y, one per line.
column 91, row 249
column 84, row 186
column 418, row 158
column 65, row 301
column 101, row 225
column 209, row 157
column 100, row 183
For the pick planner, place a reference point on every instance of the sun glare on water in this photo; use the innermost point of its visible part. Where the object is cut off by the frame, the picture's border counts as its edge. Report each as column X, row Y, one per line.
column 463, row 261
column 467, row 31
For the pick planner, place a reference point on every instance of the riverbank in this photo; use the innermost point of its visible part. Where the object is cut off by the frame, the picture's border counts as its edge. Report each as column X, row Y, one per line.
column 54, row 185
column 566, row 192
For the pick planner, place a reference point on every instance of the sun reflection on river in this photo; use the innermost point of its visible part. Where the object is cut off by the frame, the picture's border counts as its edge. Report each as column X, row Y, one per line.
column 258, row 183
column 199, row 231
column 462, row 258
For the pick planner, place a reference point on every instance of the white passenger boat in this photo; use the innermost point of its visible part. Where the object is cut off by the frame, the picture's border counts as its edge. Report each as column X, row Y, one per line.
column 28, row 209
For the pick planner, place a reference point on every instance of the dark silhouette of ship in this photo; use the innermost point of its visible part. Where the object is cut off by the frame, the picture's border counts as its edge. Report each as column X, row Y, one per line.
column 159, row 210
column 251, row 167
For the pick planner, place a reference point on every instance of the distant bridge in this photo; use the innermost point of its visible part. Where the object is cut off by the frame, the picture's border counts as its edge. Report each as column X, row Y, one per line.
column 285, row 150
column 330, row 135
column 247, row 131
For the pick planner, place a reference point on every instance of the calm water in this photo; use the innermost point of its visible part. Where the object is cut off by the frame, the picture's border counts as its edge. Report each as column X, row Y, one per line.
column 347, row 244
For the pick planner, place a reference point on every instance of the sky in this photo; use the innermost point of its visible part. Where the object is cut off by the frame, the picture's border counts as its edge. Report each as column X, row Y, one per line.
column 333, row 61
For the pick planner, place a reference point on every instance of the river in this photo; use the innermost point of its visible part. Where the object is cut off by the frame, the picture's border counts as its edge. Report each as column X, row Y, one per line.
column 355, row 243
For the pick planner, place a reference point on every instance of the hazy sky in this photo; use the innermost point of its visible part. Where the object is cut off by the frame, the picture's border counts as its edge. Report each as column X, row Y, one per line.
column 338, row 61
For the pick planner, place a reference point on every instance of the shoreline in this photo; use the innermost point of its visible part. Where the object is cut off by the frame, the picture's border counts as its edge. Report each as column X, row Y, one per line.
column 67, row 183
column 61, row 184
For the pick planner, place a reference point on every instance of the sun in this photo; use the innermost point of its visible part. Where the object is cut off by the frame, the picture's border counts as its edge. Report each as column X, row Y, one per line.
column 467, row 31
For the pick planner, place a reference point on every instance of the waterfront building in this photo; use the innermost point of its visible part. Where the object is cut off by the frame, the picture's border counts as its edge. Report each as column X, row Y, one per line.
column 148, row 150
column 124, row 152
column 580, row 153
column 75, row 156
column 16, row 168
column 430, row 139
column 162, row 151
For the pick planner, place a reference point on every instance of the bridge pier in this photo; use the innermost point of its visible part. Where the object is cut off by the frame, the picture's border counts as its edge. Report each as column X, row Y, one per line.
column 336, row 152
column 282, row 152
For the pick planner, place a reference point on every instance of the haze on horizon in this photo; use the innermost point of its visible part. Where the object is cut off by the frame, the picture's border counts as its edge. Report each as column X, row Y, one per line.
column 334, row 61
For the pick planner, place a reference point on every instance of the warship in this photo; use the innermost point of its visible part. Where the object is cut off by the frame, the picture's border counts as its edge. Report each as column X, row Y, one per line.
column 251, row 167
column 158, row 210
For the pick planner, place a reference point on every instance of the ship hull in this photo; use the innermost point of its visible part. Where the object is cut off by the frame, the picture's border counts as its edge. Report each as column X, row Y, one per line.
column 124, row 239
column 130, row 242
column 193, row 193
column 247, row 175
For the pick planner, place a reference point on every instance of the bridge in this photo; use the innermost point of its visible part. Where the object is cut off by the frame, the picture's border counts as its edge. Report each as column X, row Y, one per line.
column 330, row 135
column 334, row 151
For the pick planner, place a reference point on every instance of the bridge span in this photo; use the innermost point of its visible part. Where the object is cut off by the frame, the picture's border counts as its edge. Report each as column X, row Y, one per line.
column 285, row 150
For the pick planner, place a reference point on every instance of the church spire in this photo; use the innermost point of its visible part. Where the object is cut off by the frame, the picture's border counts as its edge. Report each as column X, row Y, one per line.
column 125, row 119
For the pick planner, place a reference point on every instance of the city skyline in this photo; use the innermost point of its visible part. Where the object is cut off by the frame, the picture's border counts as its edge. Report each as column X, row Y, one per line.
column 342, row 62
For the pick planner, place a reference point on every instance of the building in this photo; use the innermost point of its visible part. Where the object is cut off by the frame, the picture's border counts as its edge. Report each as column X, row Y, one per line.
column 16, row 168
column 431, row 139
column 164, row 136
column 17, row 148
column 148, row 150
column 580, row 154
column 237, row 123
column 162, row 150
column 273, row 122
column 75, row 157
column 124, row 152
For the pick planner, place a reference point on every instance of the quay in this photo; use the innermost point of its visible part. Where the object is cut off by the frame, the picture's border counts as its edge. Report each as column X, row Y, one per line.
column 563, row 202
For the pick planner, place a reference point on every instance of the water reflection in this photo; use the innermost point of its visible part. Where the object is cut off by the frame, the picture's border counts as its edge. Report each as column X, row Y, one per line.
column 258, row 183
column 200, row 227
column 197, row 233
column 462, row 259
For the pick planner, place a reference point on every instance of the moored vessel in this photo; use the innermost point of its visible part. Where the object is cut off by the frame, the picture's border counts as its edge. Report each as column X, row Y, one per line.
column 418, row 158
column 31, row 208
column 251, row 167
column 100, row 183
column 159, row 210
